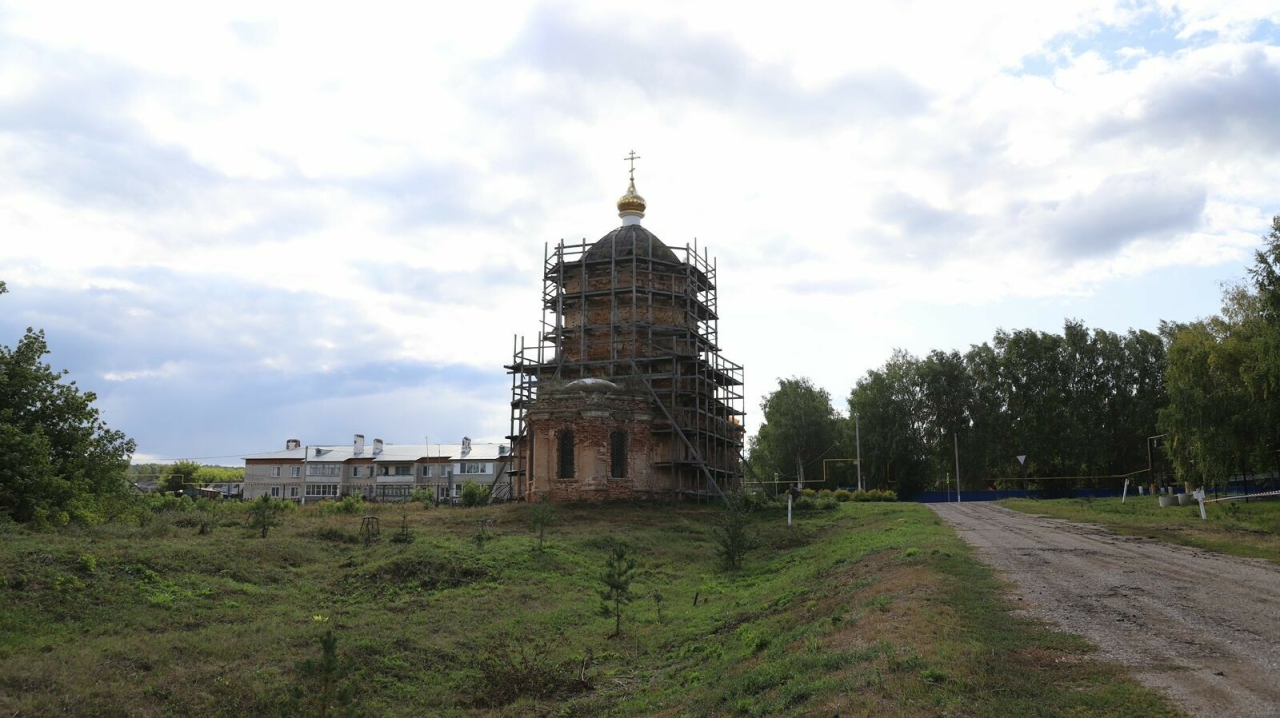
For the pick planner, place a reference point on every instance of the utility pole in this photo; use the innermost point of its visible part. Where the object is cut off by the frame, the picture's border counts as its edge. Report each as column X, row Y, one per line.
column 1150, row 441
column 956, row 438
column 857, row 438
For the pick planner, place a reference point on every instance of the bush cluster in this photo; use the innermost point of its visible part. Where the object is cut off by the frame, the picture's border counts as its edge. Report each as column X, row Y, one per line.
column 349, row 505
column 508, row 668
column 875, row 495
column 474, row 494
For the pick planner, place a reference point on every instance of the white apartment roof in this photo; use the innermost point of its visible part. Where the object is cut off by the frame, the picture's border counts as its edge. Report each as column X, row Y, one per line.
column 390, row 453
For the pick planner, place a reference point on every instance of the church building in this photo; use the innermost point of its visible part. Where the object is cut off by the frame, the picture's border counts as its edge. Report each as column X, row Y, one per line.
column 625, row 393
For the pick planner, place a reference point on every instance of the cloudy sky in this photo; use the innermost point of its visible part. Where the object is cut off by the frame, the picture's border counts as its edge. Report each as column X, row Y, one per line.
column 245, row 223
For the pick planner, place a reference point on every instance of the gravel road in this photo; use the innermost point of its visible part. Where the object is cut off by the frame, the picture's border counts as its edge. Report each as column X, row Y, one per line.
column 1200, row 626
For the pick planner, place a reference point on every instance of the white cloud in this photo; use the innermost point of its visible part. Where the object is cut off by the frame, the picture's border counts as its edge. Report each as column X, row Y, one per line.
column 384, row 179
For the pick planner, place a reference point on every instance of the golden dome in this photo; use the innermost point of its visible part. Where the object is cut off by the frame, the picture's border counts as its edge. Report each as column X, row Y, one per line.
column 631, row 202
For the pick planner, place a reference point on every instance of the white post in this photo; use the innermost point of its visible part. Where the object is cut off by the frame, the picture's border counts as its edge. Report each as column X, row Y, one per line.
column 1125, row 494
column 788, row 508
column 1200, row 498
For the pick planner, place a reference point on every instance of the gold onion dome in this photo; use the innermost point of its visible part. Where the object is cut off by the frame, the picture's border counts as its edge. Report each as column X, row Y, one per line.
column 631, row 201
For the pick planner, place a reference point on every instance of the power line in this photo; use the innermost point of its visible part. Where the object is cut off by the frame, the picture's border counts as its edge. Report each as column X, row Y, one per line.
column 197, row 458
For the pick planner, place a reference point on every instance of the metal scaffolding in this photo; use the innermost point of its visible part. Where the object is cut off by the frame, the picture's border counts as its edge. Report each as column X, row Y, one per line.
column 637, row 310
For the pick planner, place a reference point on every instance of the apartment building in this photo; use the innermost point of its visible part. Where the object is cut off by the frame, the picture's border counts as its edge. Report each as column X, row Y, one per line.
column 379, row 471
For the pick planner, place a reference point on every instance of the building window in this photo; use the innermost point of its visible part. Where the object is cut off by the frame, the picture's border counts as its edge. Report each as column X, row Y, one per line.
column 275, row 472
column 295, row 471
column 618, row 454
column 293, row 492
column 403, row 470
column 324, row 470
column 471, row 467
column 426, row 470
column 382, row 471
column 442, row 492
column 322, row 490
column 355, row 472
column 275, row 492
column 457, row 490
column 566, row 455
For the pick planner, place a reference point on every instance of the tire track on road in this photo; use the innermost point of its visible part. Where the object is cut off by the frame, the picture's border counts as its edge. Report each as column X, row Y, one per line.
column 1203, row 627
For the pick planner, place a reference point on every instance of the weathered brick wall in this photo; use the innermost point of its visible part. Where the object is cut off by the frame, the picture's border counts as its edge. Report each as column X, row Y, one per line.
column 660, row 298
column 593, row 416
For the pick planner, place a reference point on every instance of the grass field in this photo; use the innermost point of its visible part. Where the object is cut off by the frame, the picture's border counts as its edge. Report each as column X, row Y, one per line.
column 869, row 609
column 1233, row 527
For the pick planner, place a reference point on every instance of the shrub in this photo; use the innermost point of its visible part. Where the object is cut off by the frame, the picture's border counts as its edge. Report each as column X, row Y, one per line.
column 805, row 503
column 350, row 505
column 824, row 492
column 324, row 684
column 733, row 541
column 511, row 668
column 336, row 535
column 159, row 503
column 615, row 581
column 755, row 500
column 540, row 517
column 842, row 495
column 807, row 492
column 875, row 495
column 884, row 494
column 827, row 503
column 265, row 514
column 474, row 494
column 404, row 535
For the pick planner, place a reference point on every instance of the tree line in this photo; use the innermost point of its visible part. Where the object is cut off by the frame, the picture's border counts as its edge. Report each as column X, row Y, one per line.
column 1200, row 399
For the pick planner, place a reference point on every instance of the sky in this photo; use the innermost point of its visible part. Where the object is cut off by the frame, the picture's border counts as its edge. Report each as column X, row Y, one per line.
column 240, row 223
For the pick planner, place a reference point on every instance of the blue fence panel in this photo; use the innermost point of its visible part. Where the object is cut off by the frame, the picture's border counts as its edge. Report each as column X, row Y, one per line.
column 938, row 497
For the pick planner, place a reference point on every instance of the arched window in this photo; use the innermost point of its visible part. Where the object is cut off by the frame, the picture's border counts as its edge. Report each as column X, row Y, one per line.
column 618, row 454
column 566, row 454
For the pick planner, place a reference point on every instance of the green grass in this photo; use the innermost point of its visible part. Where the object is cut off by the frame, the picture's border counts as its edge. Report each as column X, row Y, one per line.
column 869, row 609
column 1250, row 529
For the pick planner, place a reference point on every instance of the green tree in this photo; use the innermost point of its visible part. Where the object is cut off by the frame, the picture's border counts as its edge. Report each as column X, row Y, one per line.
column 217, row 474
column 541, row 516
column 180, row 475
column 619, row 571
column 732, row 536
column 888, row 404
column 474, row 494
column 58, row 459
column 1265, row 273
column 1222, row 413
column 265, row 514
column 1076, row 404
column 946, row 390
column 325, row 689
column 1266, row 282
column 800, row 428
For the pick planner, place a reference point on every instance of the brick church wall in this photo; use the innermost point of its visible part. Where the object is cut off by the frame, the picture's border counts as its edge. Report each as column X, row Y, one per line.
column 593, row 415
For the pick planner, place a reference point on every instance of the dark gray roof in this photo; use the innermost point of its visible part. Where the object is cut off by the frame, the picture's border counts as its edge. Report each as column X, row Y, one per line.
column 631, row 240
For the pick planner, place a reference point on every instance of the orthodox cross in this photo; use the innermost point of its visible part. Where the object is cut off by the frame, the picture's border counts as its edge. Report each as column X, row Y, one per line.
column 632, row 159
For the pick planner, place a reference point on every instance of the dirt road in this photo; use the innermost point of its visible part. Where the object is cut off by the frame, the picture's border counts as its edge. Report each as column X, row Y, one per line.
column 1203, row 627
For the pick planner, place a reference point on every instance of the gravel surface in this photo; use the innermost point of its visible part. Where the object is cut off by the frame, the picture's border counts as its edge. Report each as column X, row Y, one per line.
column 1200, row 626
